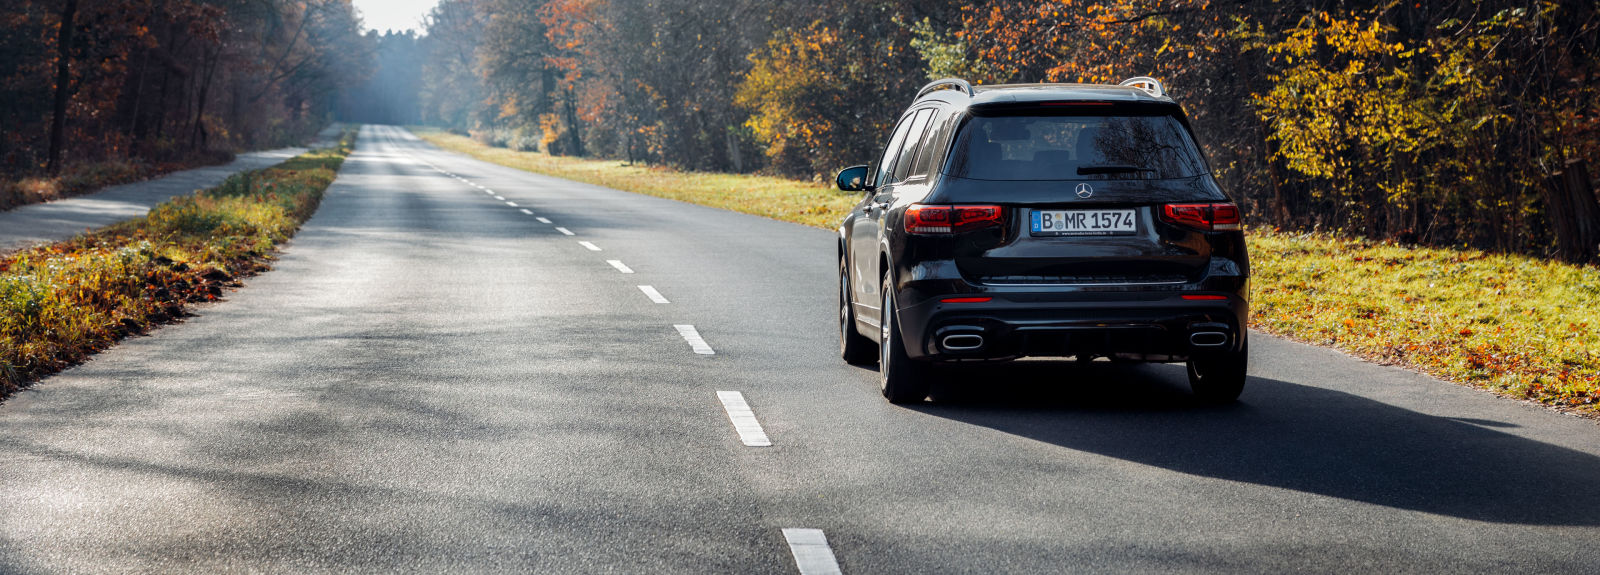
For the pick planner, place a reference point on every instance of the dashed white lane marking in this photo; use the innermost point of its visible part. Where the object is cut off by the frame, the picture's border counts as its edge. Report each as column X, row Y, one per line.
column 497, row 197
column 488, row 192
column 811, row 551
column 655, row 296
column 621, row 268
column 565, row 231
column 512, row 204
column 697, row 343
column 527, row 211
column 591, row 247
column 744, row 420
column 543, row 220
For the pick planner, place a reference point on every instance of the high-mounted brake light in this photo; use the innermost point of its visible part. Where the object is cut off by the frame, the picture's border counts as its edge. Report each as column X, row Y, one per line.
column 943, row 220
column 1219, row 217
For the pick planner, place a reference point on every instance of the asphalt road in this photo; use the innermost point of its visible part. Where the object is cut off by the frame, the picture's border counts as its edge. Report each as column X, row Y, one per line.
column 434, row 380
column 25, row 226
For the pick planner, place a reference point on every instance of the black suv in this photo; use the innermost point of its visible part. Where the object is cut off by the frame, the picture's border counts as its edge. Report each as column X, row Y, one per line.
column 1042, row 220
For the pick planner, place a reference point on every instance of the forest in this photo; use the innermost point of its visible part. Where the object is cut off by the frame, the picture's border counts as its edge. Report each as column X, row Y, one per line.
column 1449, row 123
column 96, row 92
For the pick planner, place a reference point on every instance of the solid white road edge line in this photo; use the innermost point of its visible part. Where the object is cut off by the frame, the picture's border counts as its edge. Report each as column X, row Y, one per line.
column 655, row 296
column 697, row 343
column 811, row 552
column 565, row 231
column 589, row 246
column 621, row 268
column 744, row 420
column 527, row 211
column 543, row 220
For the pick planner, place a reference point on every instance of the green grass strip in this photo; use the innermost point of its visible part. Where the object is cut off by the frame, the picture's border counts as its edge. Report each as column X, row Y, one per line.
column 1522, row 327
column 809, row 203
column 62, row 302
column 1519, row 326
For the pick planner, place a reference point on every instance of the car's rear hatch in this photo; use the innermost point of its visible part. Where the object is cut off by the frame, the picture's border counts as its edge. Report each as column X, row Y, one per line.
column 1083, row 192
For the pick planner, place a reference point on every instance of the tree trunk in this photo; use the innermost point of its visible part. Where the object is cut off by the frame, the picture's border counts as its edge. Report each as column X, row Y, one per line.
column 197, row 138
column 734, row 154
column 571, row 108
column 58, row 123
column 1573, row 211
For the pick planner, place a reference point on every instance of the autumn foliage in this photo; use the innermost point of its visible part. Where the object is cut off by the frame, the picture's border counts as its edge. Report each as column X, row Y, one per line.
column 1445, row 123
column 152, row 85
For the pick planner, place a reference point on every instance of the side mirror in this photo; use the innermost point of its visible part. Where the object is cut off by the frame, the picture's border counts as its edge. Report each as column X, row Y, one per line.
column 852, row 179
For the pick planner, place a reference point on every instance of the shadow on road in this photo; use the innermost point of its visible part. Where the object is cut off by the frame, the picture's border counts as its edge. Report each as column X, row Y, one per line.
column 1284, row 435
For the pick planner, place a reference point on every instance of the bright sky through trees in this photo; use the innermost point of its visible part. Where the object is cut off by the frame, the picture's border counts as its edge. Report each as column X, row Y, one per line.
column 397, row 15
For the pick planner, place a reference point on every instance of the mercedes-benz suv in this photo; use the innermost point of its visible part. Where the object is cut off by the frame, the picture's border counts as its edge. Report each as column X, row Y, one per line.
column 1045, row 220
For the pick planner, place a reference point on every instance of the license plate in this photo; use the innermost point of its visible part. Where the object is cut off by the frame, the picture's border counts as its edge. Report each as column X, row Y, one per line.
column 1082, row 222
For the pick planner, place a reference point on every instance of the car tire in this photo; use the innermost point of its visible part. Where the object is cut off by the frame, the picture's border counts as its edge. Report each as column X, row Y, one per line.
column 902, row 379
column 854, row 348
column 1220, row 377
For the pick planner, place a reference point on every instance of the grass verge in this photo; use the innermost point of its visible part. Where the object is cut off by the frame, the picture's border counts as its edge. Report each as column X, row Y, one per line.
column 808, row 203
column 1522, row 327
column 62, row 302
column 1519, row 326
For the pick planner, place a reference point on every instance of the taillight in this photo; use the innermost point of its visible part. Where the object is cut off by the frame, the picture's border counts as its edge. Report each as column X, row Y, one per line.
column 939, row 220
column 1206, row 217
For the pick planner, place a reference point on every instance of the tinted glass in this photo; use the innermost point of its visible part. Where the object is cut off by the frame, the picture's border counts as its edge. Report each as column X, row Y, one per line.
column 902, row 166
column 1075, row 148
column 891, row 152
column 932, row 143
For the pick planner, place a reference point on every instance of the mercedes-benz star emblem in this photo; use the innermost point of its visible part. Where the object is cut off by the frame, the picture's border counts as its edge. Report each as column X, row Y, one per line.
column 1085, row 191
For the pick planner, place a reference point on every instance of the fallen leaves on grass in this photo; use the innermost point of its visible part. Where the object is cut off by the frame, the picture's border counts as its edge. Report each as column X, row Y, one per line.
column 1515, row 325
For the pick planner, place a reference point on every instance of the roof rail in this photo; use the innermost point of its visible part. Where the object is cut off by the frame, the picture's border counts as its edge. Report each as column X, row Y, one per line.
column 943, row 83
column 1146, row 83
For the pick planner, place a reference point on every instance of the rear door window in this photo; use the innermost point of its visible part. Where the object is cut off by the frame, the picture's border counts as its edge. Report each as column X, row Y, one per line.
column 1068, row 147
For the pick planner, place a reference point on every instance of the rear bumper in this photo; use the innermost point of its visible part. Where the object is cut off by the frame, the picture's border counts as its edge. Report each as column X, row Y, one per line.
column 1154, row 326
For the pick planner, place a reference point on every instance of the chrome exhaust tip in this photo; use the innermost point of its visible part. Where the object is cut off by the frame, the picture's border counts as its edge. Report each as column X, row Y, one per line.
column 1208, row 339
column 962, row 342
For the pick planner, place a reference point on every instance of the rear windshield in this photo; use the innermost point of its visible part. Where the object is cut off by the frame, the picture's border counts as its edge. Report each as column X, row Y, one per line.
column 1074, row 148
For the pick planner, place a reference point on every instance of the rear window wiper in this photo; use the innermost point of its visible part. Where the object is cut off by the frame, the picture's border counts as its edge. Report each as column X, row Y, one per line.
column 1087, row 170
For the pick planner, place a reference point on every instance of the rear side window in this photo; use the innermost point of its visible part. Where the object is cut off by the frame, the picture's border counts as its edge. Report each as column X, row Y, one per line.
column 902, row 166
column 893, row 151
column 933, row 143
column 1075, row 148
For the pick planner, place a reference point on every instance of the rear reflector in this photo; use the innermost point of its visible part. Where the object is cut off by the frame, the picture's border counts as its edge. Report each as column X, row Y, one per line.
column 1205, row 297
column 1220, row 217
column 965, row 299
column 941, row 220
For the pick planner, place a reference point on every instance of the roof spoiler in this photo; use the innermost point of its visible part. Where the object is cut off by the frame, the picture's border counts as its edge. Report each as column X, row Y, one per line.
column 1146, row 83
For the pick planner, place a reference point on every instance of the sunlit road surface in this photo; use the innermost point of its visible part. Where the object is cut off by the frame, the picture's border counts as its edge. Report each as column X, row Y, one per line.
column 436, row 380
